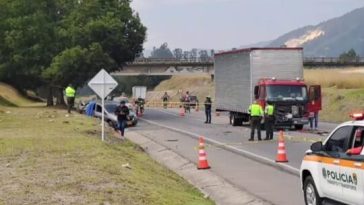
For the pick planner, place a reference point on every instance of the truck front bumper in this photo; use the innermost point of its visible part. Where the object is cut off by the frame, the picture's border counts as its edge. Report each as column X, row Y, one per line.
column 291, row 122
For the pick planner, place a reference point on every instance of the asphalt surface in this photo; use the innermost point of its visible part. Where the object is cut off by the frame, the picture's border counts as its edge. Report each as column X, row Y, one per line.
column 297, row 142
column 264, row 180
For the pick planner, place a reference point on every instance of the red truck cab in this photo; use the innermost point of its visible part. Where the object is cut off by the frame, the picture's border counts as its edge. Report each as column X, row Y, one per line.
column 293, row 100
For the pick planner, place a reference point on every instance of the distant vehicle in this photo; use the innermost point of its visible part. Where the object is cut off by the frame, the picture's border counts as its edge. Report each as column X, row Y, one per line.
column 193, row 101
column 273, row 75
column 110, row 117
column 334, row 169
column 139, row 92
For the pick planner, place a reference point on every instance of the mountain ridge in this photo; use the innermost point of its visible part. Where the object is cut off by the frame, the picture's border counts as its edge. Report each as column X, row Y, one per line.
column 329, row 38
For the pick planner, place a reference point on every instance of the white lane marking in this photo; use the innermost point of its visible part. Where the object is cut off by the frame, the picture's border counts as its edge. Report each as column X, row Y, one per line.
column 293, row 169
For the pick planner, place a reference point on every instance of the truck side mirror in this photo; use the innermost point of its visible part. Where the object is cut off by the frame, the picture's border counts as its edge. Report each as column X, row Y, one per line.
column 317, row 147
column 256, row 92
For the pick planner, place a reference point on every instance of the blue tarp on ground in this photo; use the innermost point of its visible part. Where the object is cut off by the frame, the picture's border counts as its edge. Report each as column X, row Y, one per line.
column 90, row 109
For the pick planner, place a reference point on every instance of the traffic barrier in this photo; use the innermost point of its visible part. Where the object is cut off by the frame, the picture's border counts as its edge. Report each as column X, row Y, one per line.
column 281, row 152
column 161, row 104
column 202, row 156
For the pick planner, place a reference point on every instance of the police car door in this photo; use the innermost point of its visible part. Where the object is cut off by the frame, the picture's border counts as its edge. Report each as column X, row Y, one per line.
column 336, row 145
column 352, row 169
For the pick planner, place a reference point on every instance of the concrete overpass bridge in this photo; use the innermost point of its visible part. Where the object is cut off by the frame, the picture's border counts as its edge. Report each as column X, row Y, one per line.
column 154, row 66
column 198, row 66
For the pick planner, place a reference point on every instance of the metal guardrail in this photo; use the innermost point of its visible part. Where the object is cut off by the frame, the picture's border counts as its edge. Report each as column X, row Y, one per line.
column 307, row 60
column 173, row 60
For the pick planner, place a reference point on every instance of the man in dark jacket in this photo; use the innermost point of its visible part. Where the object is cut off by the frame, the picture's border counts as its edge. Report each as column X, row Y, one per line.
column 208, row 109
column 123, row 113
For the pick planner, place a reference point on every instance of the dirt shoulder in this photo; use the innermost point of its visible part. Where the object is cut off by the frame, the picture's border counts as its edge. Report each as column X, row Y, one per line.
column 47, row 157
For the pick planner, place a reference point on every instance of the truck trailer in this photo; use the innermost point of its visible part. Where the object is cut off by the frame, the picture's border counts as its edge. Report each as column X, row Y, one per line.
column 273, row 75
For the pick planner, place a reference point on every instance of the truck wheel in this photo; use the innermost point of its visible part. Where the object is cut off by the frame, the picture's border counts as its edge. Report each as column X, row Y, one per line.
column 310, row 192
column 235, row 121
column 298, row 127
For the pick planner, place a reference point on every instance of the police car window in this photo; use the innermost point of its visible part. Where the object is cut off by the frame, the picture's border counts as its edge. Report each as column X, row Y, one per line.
column 98, row 108
column 358, row 137
column 340, row 140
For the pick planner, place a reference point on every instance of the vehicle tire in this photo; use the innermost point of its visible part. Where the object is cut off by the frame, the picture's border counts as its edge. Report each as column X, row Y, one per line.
column 310, row 192
column 235, row 121
column 298, row 127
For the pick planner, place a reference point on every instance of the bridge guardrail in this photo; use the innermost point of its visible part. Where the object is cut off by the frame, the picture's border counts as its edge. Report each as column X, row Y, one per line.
column 306, row 60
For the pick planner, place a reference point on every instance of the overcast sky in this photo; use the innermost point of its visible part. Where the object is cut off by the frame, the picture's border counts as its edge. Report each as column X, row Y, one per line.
column 224, row 24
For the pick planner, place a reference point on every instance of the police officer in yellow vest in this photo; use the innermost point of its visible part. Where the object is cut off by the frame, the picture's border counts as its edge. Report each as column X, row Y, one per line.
column 70, row 95
column 269, row 121
column 256, row 114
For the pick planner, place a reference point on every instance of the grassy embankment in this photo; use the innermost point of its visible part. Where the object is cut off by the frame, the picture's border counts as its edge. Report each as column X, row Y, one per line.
column 199, row 86
column 47, row 157
column 343, row 90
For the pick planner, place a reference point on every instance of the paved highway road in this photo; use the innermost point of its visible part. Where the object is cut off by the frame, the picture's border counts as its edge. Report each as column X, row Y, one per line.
column 262, row 179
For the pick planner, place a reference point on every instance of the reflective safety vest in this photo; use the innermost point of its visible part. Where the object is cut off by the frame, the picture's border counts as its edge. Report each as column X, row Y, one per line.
column 269, row 110
column 255, row 110
column 70, row 92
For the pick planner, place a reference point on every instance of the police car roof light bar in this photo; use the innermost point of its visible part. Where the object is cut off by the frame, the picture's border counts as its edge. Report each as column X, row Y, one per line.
column 357, row 116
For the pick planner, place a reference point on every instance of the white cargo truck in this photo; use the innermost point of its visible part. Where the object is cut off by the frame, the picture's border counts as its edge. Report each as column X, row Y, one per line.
column 139, row 92
column 272, row 75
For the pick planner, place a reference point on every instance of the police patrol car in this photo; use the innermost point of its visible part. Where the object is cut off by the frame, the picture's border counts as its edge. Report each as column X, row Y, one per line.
column 334, row 170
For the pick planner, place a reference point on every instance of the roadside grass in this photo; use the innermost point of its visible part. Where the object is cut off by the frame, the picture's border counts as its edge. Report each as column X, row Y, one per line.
column 49, row 158
column 339, row 78
column 11, row 97
column 339, row 103
column 343, row 91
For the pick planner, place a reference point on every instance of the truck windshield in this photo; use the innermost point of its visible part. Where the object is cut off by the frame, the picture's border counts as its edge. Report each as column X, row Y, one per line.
column 286, row 92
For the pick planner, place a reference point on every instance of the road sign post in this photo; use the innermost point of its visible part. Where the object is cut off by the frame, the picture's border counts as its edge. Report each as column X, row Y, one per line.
column 102, row 84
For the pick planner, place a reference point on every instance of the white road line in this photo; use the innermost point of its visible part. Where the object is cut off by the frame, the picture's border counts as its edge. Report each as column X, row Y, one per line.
column 262, row 158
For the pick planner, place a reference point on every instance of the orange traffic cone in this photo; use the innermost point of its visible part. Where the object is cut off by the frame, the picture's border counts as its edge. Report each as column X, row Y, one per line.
column 202, row 156
column 182, row 111
column 281, row 152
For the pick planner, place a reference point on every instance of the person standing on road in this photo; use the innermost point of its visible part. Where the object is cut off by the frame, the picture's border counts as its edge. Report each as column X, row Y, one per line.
column 256, row 114
column 165, row 99
column 269, row 121
column 187, row 101
column 313, row 117
column 70, row 95
column 122, row 111
column 208, row 109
